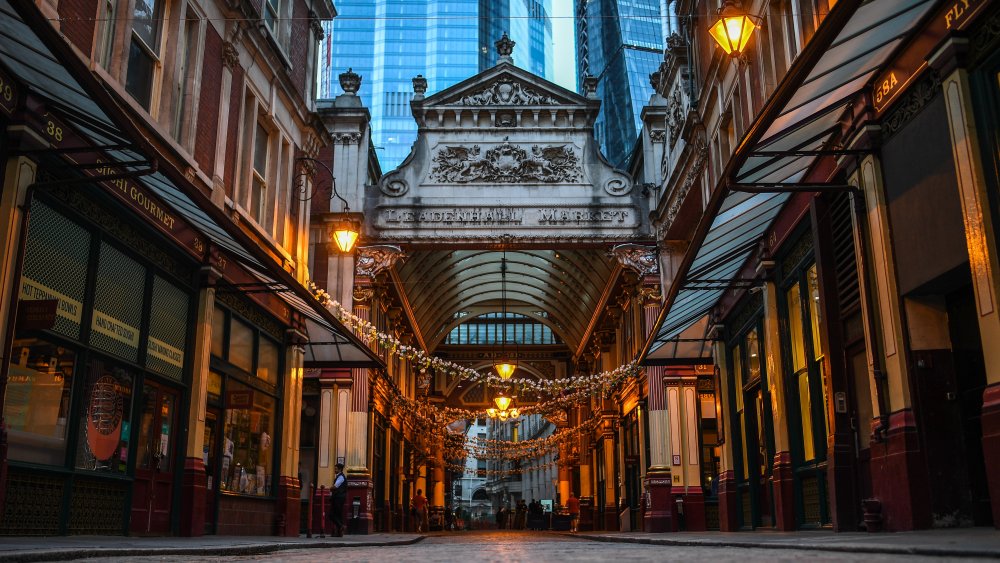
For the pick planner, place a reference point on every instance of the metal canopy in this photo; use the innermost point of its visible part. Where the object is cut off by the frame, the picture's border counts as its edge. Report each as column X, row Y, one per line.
column 790, row 134
column 36, row 67
column 448, row 287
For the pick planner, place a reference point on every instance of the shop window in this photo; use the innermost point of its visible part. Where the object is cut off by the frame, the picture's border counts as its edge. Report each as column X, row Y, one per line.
column 241, row 345
column 37, row 401
column 104, row 433
column 268, row 361
column 144, row 51
column 118, row 304
column 247, row 460
column 219, row 333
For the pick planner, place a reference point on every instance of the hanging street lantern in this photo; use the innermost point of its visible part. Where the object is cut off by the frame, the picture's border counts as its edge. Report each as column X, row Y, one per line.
column 504, row 409
column 504, row 364
column 733, row 29
column 344, row 232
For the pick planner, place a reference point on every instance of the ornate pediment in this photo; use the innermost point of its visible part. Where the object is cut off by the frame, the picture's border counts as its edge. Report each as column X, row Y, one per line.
column 508, row 92
column 506, row 163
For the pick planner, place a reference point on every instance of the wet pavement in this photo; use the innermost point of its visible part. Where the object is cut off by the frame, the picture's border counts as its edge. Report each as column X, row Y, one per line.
column 535, row 547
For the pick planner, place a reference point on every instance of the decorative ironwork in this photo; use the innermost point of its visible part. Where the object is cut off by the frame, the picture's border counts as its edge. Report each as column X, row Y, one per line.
column 98, row 507
column 912, row 103
column 510, row 93
column 506, row 163
column 251, row 313
column 33, row 502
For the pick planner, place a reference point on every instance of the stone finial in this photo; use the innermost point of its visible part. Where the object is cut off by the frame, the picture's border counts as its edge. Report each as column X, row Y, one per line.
column 505, row 47
column 590, row 86
column 419, row 87
column 350, row 81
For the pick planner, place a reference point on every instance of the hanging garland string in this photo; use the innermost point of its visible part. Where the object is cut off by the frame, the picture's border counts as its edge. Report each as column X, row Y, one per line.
column 592, row 383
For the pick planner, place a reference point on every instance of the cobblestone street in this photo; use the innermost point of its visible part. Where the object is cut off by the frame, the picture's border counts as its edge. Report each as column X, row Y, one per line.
column 507, row 546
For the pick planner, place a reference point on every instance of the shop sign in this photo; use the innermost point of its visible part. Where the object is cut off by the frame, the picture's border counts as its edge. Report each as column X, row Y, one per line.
column 37, row 314
column 115, row 329
column 67, row 308
column 162, row 351
column 8, row 94
column 239, row 399
column 901, row 72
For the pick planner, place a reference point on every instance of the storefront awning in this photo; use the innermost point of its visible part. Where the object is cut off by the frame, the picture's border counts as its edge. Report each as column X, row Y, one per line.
column 794, row 129
column 47, row 78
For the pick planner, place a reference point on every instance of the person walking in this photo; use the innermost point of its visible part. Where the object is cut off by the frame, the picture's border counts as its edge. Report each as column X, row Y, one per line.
column 339, row 492
column 419, row 505
column 573, row 505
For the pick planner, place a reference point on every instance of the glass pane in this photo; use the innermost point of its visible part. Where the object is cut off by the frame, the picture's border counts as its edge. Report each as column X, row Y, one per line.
column 267, row 361
column 37, row 401
column 260, row 151
column 241, row 345
column 737, row 377
column 168, row 324
column 139, row 79
column 815, row 312
column 165, row 444
column 147, row 455
column 145, row 23
column 104, row 423
column 753, row 356
column 795, row 336
column 805, row 411
column 247, row 460
column 218, row 332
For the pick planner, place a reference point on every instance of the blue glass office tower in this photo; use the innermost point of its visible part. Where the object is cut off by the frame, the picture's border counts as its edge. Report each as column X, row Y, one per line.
column 621, row 43
column 388, row 42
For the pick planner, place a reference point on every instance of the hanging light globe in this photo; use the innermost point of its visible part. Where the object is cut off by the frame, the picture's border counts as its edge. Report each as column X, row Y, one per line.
column 733, row 29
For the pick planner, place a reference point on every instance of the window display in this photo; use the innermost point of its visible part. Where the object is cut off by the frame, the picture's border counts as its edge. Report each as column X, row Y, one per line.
column 247, row 460
column 37, row 401
column 104, row 422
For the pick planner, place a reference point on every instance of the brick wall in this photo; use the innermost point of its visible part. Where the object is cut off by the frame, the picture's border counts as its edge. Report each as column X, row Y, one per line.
column 208, row 107
column 241, row 516
column 299, row 48
column 78, row 22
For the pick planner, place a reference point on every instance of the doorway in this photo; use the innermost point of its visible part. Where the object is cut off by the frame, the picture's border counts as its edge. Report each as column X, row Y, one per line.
column 152, row 490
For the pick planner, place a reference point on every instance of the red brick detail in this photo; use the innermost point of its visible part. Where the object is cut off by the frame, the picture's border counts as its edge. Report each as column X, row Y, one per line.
column 298, row 48
column 783, row 479
column 193, row 491
column 289, row 510
column 232, row 144
column 991, row 446
column 77, row 22
column 693, row 504
column 245, row 516
column 208, row 106
column 660, row 508
column 899, row 476
column 728, row 509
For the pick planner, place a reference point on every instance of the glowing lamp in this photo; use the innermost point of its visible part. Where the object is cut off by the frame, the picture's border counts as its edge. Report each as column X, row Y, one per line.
column 345, row 233
column 733, row 29
column 492, row 413
column 502, row 402
column 505, row 368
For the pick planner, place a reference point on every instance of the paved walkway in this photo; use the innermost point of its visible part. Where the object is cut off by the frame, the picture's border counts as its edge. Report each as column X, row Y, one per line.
column 966, row 542
column 66, row 548
column 958, row 542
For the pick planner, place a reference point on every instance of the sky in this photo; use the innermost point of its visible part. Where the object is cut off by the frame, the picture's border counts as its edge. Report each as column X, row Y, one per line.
column 564, row 43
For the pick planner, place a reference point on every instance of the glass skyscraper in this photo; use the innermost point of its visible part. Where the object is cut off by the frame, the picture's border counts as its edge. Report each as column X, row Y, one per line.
column 388, row 42
column 621, row 43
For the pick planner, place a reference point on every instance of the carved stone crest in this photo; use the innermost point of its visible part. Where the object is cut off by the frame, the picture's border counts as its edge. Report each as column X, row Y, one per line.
column 377, row 258
column 510, row 93
column 675, row 115
column 506, row 163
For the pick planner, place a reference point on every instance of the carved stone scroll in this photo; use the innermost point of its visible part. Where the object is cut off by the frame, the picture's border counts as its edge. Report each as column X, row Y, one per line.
column 375, row 259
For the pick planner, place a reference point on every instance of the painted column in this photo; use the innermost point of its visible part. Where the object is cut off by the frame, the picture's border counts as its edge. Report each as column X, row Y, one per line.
column 586, row 475
column 660, row 505
column 783, row 477
column 685, row 449
column 289, row 489
column 436, row 511
column 981, row 239
column 899, row 476
column 359, row 479
column 728, row 508
column 20, row 173
column 194, row 485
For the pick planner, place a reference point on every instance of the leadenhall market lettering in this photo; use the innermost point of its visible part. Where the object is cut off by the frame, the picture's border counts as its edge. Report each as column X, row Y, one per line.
column 508, row 216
